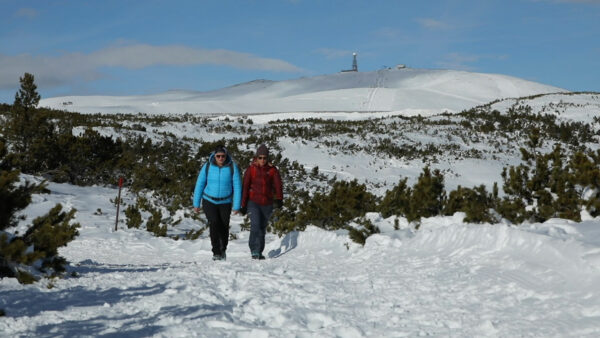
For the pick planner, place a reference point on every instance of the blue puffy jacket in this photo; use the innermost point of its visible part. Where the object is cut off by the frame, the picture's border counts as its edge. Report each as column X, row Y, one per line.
column 220, row 186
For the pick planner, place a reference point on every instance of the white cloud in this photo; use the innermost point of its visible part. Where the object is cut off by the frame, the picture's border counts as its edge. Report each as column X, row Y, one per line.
column 332, row 53
column 432, row 23
column 28, row 13
column 51, row 71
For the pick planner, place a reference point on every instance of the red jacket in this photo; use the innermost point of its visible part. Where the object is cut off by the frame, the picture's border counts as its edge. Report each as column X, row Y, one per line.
column 261, row 184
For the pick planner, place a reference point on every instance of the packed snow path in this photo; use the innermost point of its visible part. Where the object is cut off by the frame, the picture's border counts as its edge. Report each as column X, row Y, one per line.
column 317, row 287
column 446, row 279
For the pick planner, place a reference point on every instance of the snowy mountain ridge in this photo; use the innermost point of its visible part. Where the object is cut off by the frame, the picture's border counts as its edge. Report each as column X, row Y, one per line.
column 403, row 91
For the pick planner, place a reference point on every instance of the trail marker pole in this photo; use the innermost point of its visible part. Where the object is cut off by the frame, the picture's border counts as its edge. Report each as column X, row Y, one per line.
column 119, row 201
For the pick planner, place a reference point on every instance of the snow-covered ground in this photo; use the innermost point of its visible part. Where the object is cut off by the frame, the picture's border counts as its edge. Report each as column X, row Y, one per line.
column 445, row 279
column 402, row 91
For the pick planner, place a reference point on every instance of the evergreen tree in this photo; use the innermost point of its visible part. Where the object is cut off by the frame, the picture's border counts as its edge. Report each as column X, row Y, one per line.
column 475, row 203
column 550, row 186
column 12, row 198
column 134, row 217
column 397, row 200
column 27, row 97
column 586, row 174
column 428, row 195
column 26, row 123
column 153, row 224
column 37, row 248
column 344, row 202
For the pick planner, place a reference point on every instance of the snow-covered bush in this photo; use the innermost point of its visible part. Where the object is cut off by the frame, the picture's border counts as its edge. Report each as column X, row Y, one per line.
column 362, row 231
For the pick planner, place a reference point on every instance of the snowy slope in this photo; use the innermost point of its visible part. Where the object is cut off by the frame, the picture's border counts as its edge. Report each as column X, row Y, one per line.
column 580, row 107
column 446, row 279
column 405, row 91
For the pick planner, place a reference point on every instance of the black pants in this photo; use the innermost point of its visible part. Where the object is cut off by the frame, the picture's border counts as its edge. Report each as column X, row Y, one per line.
column 218, row 224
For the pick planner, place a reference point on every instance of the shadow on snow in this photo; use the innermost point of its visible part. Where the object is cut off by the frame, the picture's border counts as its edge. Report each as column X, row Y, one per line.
column 31, row 302
column 288, row 243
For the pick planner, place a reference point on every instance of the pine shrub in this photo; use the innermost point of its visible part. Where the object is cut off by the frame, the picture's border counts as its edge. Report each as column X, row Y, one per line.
column 552, row 185
column 134, row 217
column 476, row 203
column 345, row 201
column 428, row 195
column 194, row 234
column 396, row 201
column 153, row 224
column 333, row 210
column 37, row 249
column 365, row 229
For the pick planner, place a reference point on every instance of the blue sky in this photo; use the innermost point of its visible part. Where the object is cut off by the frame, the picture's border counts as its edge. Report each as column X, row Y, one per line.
column 77, row 47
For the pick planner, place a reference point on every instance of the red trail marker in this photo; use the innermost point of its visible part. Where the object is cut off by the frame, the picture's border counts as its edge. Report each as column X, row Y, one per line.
column 119, row 201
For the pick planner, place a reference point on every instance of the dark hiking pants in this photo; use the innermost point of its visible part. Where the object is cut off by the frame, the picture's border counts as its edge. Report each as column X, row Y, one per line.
column 218, row 224
column 259, row 218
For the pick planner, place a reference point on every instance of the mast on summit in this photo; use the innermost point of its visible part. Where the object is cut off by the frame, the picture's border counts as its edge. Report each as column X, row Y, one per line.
column 354, row 65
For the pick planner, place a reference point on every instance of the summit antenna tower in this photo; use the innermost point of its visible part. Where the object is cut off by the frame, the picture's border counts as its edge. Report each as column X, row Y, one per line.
column 354, row 65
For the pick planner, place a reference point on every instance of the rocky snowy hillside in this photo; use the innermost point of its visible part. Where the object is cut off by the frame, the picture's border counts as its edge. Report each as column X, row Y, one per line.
column 404, row 91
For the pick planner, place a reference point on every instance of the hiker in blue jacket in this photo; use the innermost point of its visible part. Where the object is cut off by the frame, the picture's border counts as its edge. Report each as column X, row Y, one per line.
column 218, row 190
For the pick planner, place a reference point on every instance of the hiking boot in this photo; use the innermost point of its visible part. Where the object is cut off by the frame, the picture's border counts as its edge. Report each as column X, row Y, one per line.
column 256, row 255
column 218, row 257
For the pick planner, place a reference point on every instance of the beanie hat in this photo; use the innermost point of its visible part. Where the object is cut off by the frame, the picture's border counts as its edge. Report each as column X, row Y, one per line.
column 262, row 150
column 220, row 149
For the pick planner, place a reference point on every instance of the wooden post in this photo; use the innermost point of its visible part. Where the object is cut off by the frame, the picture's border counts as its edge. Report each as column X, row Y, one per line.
column 119, row 201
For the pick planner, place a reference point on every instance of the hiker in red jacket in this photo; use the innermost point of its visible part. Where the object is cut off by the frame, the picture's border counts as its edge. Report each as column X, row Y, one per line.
column 261, row 193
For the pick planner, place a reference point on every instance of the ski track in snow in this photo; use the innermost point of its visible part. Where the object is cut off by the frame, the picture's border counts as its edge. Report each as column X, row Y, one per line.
column 446, row 279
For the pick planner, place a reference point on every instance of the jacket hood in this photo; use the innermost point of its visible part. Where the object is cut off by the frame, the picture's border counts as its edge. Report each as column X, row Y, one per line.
column 212, row 159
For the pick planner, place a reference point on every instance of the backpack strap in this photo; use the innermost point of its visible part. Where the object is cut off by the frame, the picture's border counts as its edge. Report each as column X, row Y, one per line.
column 230, row 165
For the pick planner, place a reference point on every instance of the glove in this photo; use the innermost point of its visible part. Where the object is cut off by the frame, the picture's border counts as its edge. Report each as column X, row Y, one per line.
column 277, row 204
column 243, row 211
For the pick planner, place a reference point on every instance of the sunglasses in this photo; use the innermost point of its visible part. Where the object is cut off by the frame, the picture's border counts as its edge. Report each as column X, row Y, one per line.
column 220, row 156
column 262, row 157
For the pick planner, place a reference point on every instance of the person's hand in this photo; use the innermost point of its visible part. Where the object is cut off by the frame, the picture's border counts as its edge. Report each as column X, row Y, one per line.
column 236, row 212
column 196, row 210
column 277, row 204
